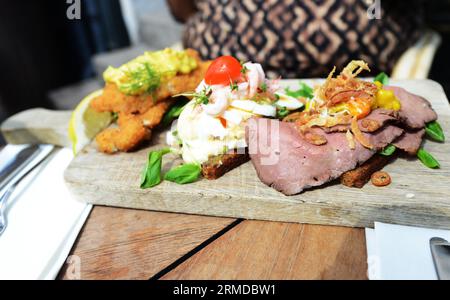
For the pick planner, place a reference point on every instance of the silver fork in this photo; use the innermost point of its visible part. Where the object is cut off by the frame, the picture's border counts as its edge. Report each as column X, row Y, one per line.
column 44, row 152
column 3, row 201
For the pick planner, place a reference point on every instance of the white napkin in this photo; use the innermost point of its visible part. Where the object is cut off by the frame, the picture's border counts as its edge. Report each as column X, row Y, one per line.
column 43, row 221
column 396, row 252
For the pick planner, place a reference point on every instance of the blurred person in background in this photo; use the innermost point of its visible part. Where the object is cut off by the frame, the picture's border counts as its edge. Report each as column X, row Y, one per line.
column 296, row 39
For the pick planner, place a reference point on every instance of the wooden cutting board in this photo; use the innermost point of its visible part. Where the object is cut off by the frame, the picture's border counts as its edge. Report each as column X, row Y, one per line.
column 418, row 196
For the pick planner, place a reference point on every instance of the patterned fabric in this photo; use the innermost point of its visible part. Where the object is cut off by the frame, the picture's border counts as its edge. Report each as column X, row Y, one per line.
column 304, row 38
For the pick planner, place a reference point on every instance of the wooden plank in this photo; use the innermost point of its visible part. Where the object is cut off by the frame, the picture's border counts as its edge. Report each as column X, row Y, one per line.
column 240, row 194
column 268, row 250
column 37, row 126
column 135, row 244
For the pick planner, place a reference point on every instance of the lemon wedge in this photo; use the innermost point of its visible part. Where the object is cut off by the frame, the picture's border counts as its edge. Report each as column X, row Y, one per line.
column 86, row 123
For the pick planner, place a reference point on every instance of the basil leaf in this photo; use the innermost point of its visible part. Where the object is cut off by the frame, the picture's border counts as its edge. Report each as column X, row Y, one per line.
column 304, row 91
column 388, row 150
column 427, row 159
column 184, row 174
column 151, row 175
column 174, row 112
column 382, row 78
column 434, row 131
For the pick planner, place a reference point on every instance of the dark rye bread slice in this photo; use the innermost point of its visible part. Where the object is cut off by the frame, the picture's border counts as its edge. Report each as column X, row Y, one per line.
column 217, row 166
column 409, row 142
column 359, row 176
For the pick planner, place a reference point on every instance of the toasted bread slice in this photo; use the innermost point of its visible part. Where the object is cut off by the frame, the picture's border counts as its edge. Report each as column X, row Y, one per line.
column 361, row 175
column 217, row 166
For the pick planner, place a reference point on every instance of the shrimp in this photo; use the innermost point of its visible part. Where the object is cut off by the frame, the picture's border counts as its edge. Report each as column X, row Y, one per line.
column 201, row 87
column 218, row 103
column 255, row 76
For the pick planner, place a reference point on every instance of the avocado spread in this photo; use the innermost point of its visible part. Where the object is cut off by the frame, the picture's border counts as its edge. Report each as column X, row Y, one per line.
column 147, row 72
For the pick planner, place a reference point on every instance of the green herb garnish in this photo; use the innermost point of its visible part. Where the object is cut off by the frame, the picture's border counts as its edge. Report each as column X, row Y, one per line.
column 427, row 159
column 203, row 97
column 388, row 150
column 184, row 174
column 141, row 79
column 304, row 91
column 174, row 112
column 263, row 87
column 234, row 86
column 151, row 175
column 282, row 112
column 244, row 69
column 434, row 131
column 199, row 98
column 383, row 78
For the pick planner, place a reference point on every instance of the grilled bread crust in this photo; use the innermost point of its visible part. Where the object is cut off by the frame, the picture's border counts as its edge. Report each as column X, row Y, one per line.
column 217, row 166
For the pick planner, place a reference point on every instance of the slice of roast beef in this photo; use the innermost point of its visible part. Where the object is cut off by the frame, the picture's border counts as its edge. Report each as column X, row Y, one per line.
column 289, row 164
column 416, row 111
column 410, row 141
column 374, row 121
column 377, row 119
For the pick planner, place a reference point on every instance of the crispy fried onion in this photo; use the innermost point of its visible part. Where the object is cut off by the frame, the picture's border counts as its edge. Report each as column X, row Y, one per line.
column 346, row 86
column 294, row 117
column 315, row 139
column 306, row 120
column 335, row 91
column 345, row 96
column 350, row 140
column 359, row 135
column 354, row 68
column 371, row 125
column 312, row 137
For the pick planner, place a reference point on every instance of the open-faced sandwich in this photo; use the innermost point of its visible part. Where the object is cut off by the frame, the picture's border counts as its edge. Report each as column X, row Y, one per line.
column 347, row 130
column 211, row 128
column 139, row 93
column 210, row 132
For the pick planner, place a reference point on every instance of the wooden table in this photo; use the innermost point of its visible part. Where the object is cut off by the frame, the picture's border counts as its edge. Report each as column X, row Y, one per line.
column 132, row 244
column 120, row 243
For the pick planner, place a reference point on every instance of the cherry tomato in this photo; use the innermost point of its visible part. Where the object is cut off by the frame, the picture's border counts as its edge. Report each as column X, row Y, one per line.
column 359, row 108
column 223, row 70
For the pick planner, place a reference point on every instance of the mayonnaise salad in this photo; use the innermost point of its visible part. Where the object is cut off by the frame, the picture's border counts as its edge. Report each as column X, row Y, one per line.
column 213, row 122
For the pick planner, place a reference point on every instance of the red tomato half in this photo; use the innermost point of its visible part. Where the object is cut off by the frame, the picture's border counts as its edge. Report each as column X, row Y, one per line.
column 223, row 70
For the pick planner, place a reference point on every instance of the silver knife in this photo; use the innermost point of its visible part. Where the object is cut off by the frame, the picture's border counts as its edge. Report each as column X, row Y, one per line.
column 440, row 250
column 13, row 165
